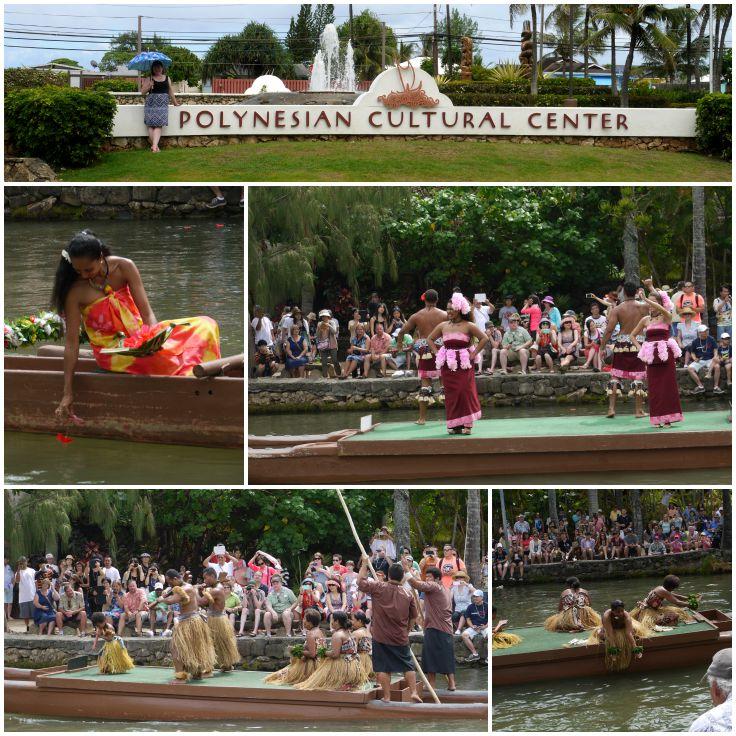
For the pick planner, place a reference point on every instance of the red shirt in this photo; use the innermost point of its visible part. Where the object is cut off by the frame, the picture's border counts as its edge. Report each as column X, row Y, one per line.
column 267, row 572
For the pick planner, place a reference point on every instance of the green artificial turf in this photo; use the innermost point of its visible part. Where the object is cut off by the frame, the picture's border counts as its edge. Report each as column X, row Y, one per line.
column 400, row 160
column 538, row 639
column 623, row 424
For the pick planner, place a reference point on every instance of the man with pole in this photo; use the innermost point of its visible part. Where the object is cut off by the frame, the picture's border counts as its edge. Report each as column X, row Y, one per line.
column 438, row 651
column 394, row 613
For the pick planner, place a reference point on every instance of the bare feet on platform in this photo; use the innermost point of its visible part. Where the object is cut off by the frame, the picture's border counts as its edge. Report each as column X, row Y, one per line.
column 639, row 415
column 420, row 421
column 611, row 415
column 416, row 699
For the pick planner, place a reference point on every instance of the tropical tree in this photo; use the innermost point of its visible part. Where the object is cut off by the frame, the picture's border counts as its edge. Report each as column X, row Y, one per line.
column 608, row 19
column 557, row 34
column 726, row 536
column 367, row 44
column 64, row 60
column 185, row 65
column 460, row 25
column 552, row 504
column 322, row 15
column 124, row 47
column 636, row 512
column 301, row 40
column 473, row 534
column 256, row 50
column 699, row 274
column 405, row 51
column 519, row 10
column 592, row 501
column 401, row 519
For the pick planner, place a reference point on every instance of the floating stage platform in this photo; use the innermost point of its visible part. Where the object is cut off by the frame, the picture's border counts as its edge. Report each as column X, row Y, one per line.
column 547, row 655
column 497, row 447
column 85, row 693
column 205, row 409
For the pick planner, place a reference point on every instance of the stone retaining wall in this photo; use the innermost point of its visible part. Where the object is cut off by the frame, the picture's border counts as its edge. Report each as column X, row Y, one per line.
column 116, row 203
column 267, row 395
column 684, row 563
column 33, row 651
column 188, row 141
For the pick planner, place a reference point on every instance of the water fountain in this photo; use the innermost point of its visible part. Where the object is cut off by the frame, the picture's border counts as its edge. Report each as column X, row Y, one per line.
column 329, row 72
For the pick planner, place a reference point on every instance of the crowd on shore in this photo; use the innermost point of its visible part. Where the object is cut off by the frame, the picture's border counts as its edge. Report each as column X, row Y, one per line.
column 532, row 540
column 66, row 593
column 536, row 336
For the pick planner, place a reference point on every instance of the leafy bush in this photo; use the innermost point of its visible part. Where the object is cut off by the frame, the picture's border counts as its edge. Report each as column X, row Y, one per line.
column 523, row 86
column 507, row 71
column 115, row 85
column 24, row 78
column 713, row 125
column 63, row 126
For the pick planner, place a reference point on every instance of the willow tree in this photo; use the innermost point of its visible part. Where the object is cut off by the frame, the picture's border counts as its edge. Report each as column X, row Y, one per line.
column 38, row 520
column 473, row 534
column 294, row 231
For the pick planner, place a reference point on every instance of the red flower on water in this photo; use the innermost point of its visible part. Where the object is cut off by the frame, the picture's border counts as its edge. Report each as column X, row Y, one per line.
column 141, row 335
column 63, row 438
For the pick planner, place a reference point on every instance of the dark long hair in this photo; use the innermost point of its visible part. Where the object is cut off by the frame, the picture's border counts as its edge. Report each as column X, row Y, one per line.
column 83, row 245
column 342, row 619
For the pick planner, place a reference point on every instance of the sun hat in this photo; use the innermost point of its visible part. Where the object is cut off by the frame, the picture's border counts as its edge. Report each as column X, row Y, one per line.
column 478, row 594
column 725, row 336
column 702, row 328
column 514, row 317
column 545, row 320
column 687, row 310
column 460, row 574
column 325, row 313
column 548, row 299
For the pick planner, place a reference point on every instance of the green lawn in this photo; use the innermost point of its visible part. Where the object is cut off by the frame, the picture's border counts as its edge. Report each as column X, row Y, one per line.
column 421, row 160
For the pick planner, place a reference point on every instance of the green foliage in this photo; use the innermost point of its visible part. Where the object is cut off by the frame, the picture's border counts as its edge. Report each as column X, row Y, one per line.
column 115, row 85
column 713, row 125
column 185, row 65
column 256, row 50
column 367, row 44
column 21, row 77
column 66, row 61
column 519, row 239
column 63, row 126
column 507, row 72
column 427, row 65
column 460, row 25
column 300, row 38
column 726, row 67
column 124, row 47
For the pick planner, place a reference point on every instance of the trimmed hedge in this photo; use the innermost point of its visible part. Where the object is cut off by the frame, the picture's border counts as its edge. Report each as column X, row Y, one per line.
column 115, row 85
column 20, row 77
column 713, row 125
column 61, row 125
column 545, row 86
column 470, row 99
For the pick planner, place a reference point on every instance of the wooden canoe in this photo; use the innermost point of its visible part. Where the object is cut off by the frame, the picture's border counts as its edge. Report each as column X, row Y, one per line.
column 555, row 445
column 151, row 692
column 176, row 410
column 545, row 655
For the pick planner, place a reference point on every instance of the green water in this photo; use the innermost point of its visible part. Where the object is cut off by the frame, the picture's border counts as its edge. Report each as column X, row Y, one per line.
column 469, row 678
column 331, row 421
column 188, row 268
column 666, row 700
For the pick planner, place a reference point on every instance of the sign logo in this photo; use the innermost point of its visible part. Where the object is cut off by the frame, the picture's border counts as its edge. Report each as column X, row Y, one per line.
column 410, row 95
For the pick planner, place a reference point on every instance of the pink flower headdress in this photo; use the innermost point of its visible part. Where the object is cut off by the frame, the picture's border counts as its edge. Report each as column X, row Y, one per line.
column 460, row 303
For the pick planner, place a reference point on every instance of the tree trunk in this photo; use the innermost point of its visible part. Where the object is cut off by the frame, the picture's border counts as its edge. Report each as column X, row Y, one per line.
column 401, row 518
column 636, row 516
column 720, row 50
column 699, row 275
column 472, row 537
column 552, row 500
column 619, row 494
column 535, row 70
column 586, row 55
column 726, row 535
column 689, row 48
column 454, row 521
column 701, row 39
column 504, row 519
column 631, row 249
column 614, row 77
column 593, row 504
column 627, row 69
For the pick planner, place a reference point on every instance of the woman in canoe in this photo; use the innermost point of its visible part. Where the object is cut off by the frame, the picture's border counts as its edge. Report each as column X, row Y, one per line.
column 502, row 639
column 622, row 636
column 573, row 612
column 664, row 607
column 302, row 665
column 104, row 294
column 455, row 359
column 363, row 640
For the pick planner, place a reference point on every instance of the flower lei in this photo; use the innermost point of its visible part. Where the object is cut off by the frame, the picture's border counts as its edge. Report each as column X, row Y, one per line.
column 30, row 329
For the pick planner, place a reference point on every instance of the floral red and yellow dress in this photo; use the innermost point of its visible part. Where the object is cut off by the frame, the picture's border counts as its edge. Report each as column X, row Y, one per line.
column 194, row 340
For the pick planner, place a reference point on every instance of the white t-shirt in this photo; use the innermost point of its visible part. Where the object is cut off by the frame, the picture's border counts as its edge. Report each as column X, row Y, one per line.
column 723, row 319
column 227, row 568
column 480, row 316
column 600, row 321
column 265, row 331
column 112, row 574
column 26, row 585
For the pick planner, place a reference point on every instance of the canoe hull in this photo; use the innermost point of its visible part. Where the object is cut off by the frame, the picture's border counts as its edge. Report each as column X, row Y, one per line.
column 97, row 699
column 178, row 410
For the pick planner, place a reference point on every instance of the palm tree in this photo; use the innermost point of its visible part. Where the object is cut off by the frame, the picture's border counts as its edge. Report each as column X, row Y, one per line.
column 401, row 518
column 473, row 526
column 636, row 515
column 607, row 18
column 514, row 12
column 631, row 248
column 405, row 51
column 552, row 501
column 592, row 501
column 699, row 275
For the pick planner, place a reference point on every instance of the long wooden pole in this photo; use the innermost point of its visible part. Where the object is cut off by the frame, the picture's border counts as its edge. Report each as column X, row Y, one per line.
column 373, row 572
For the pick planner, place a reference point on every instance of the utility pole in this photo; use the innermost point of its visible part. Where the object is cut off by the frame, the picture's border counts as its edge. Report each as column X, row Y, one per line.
column 711, row 67
column 435, row 46
column 449, row 42
column 140, row 17
column 383, row 46
column 350, row 11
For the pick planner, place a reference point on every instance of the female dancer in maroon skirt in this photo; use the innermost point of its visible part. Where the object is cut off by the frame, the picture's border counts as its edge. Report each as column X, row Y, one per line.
column 455, row 361
column 659, row 352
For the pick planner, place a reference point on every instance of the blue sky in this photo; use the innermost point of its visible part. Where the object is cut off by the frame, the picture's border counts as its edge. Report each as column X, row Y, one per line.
column 196, row 25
